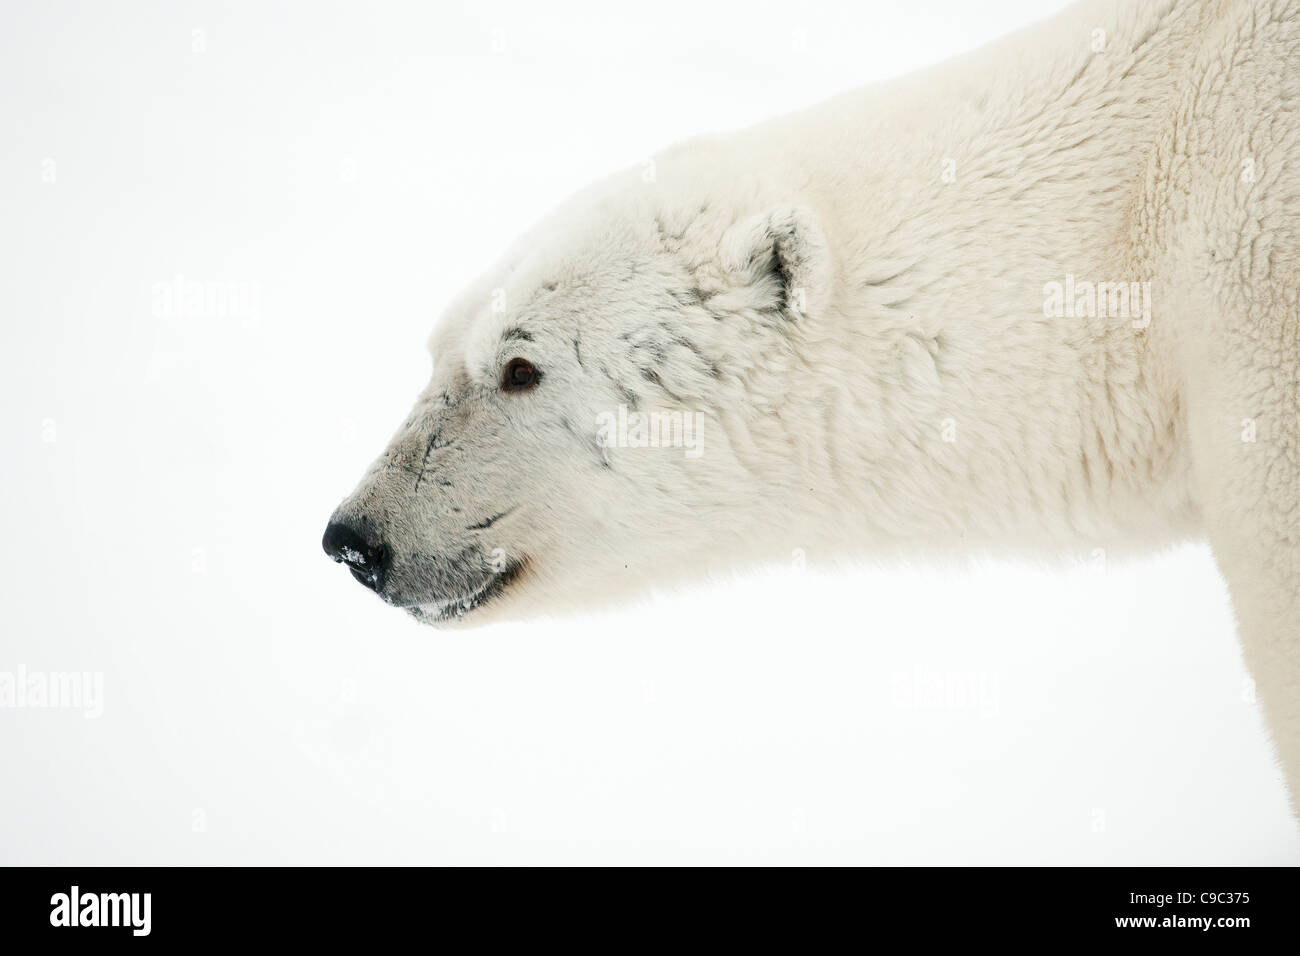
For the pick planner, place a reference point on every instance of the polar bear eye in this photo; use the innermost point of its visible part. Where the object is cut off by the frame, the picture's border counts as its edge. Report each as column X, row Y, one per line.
column 519, row 375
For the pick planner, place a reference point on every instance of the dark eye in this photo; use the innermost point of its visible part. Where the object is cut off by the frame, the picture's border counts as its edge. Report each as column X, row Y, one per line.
column 519, row 375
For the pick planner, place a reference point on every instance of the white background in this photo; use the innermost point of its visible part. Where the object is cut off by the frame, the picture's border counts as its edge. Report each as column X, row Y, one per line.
column 167, row 478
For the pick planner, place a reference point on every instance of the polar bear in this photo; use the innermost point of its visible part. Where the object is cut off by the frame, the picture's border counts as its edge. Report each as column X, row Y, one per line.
column 1041, row 298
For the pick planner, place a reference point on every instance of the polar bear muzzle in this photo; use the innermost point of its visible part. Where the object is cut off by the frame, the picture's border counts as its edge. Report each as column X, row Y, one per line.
column 366, row 559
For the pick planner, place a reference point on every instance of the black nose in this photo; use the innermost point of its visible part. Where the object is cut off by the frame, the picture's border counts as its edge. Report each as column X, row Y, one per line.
column 367, row 560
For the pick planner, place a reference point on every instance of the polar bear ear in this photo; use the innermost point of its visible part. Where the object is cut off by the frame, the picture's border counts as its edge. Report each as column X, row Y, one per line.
column 782, row 256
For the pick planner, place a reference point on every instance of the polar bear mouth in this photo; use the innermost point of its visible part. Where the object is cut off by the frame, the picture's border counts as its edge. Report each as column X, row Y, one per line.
column 453, row 609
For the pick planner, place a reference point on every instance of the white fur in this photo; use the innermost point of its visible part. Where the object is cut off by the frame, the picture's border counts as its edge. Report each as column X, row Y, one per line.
column 852, row 298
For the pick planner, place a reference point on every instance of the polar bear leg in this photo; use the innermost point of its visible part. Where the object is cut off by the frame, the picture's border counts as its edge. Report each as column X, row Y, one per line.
column 1243, row 390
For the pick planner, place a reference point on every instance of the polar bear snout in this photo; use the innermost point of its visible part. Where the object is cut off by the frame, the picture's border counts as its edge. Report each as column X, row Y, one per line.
column 367, row 559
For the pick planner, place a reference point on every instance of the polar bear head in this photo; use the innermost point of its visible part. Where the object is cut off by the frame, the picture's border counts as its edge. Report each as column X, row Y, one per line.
column 605, row 407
